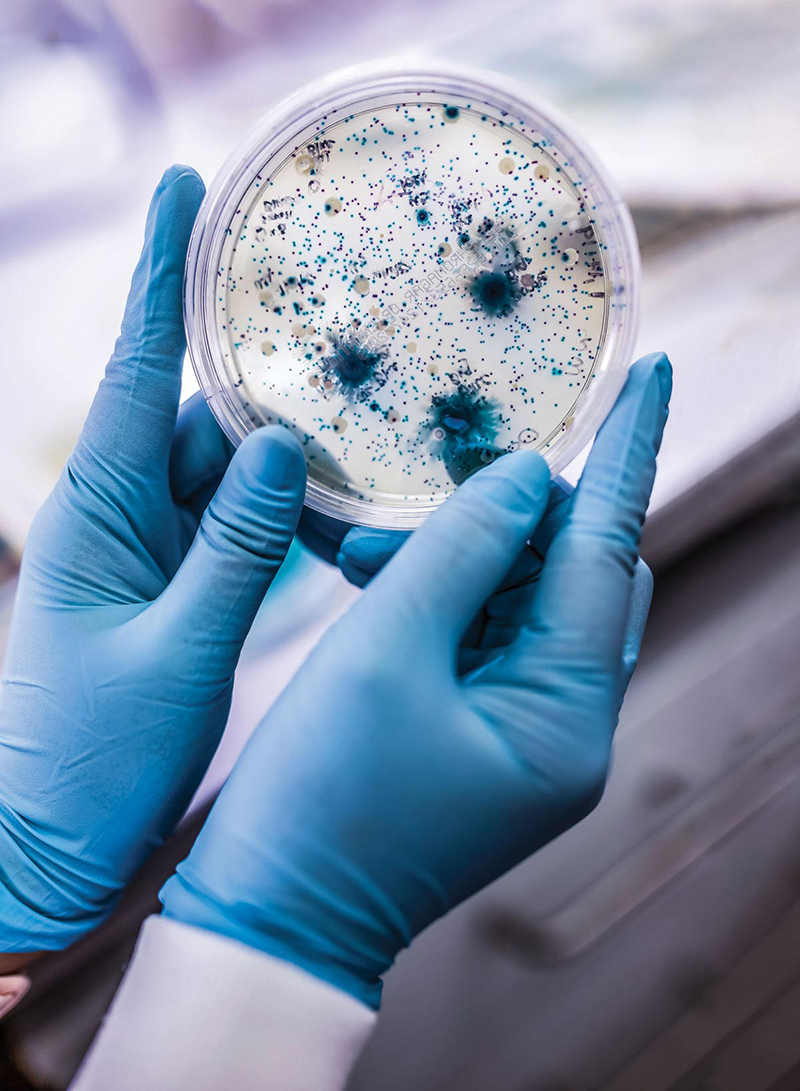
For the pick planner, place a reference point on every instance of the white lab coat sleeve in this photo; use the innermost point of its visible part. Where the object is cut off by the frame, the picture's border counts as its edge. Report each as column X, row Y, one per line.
column 199, row 1012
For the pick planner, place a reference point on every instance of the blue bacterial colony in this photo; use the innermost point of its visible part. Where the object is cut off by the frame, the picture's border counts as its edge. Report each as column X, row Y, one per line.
column 415, row 290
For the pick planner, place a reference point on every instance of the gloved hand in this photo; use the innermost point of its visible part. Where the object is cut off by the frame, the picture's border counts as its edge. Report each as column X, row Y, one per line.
column 456, row 719
column 134, row 600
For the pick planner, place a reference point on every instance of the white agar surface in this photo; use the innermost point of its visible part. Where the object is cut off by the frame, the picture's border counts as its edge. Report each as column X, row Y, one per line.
column 414, row 291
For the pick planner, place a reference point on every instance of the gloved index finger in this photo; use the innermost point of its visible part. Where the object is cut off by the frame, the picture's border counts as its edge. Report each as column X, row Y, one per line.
column 584, row 590
column 133, row 413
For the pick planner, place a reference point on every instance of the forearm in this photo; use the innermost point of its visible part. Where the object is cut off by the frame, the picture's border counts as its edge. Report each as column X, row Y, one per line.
column 197, row 1010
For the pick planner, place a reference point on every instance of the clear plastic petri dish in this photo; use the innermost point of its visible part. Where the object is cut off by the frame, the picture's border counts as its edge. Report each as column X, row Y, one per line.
column 416, row 269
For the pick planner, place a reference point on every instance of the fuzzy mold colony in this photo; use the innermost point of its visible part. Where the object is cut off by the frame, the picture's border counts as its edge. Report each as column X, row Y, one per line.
column 414, row 288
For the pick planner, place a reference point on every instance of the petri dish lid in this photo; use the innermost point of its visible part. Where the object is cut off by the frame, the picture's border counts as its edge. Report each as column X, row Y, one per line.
column 416, row 268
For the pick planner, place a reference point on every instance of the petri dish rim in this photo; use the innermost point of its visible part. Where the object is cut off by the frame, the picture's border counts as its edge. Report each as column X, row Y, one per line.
column 280, row 133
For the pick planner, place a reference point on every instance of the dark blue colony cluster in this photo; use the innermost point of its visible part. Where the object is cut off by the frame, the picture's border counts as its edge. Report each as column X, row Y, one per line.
column 356, row 370
column 496, row 291
column 463, row 426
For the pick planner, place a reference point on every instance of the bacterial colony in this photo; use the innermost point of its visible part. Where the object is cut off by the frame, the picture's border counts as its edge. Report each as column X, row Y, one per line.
column 415, row 290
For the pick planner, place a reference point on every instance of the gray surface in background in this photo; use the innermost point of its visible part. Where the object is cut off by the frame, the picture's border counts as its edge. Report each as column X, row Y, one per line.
column 723, row 303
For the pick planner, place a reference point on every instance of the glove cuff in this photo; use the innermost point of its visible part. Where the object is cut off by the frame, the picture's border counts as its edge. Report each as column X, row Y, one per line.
column 297, row 945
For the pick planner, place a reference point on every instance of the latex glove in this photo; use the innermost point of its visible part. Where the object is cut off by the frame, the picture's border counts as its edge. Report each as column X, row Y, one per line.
column 451, row 723
column 129, row 619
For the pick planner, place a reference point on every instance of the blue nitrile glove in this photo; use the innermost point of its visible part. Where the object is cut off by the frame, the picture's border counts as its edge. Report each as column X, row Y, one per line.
column 129, row 619
column 456, row 719
column 361, row 552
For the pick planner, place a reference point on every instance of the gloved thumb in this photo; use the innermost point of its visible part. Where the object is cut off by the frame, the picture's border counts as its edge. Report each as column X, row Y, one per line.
column 241, row 542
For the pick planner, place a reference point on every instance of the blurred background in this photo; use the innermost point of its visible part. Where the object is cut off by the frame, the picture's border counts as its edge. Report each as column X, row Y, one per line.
column 656, row 947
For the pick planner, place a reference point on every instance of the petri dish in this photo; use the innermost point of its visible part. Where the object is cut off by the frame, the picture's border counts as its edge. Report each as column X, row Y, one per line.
column 416, row 268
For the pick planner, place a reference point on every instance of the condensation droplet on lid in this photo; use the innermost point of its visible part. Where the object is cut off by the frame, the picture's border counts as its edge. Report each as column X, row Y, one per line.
column 506, row 166
column 333, row 206
column 265, row 296
column 542, row 172
column 445, row 249
column 411, row 346
column 438, row 433
column 338, row 424
column 304, row 164
column 433, row 369
column 393, row 416
column 375, row 311
column 569, row 256
column 361, row 285
column 313, row 380
column 267, row 348
column 301, row 330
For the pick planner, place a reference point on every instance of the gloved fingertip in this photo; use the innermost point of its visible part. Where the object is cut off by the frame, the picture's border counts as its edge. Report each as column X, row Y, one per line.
column 657, row 363
column 518, row 482
column 371, row 549
column 173, row 206
column 180, row 174
column 352, row 573
column 665, row 375
column 272, row 457
column 528, row 466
